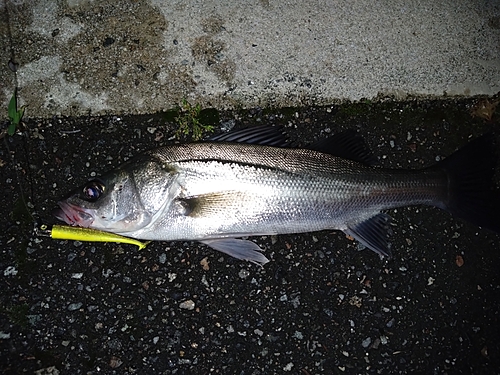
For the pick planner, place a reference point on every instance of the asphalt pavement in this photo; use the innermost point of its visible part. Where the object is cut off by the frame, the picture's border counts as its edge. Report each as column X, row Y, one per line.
column 321, row 305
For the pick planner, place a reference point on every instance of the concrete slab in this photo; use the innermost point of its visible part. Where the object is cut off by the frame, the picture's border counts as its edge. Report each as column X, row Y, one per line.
column 81, row 56
column 7, row 76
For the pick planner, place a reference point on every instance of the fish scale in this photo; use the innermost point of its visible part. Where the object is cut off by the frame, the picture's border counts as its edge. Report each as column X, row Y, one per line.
column 282, row 191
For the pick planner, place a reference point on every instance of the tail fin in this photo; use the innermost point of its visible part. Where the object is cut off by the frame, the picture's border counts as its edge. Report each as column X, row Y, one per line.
column 472, row 193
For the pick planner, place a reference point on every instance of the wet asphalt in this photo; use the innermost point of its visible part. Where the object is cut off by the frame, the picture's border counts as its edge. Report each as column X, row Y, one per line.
column 321, row 306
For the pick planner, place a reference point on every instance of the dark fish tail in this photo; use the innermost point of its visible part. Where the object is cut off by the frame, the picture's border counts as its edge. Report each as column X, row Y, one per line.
column 471, row 188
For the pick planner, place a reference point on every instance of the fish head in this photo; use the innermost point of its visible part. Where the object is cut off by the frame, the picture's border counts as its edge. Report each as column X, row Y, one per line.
column 109, row 203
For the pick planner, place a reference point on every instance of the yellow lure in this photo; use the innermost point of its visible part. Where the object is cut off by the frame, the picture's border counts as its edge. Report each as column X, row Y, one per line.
column 65, row 232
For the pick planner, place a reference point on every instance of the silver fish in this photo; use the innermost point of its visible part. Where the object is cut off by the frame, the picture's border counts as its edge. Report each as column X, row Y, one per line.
column 242, row 185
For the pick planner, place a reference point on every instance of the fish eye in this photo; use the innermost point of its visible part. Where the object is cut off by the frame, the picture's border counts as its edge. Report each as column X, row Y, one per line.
column 93, row 190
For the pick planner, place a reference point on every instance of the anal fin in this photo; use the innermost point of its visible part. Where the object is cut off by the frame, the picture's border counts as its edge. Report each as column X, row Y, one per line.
column 239, row 249
column 373, row 233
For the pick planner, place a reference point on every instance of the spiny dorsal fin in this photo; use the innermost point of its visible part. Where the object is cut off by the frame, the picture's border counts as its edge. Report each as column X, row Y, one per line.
column 257, row 135
column 347, row 145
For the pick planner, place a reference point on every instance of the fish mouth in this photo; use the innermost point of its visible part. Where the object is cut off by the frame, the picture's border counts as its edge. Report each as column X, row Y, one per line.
column 73, row 215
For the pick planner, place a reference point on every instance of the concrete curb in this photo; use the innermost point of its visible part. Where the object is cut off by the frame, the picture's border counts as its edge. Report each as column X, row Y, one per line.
column 100, row 57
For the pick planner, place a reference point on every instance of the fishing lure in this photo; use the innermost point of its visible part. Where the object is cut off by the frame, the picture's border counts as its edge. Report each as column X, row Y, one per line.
column 66, row 232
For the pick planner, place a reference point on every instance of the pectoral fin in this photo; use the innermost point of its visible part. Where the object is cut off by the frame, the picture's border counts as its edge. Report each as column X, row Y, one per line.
column 373, row 233
column 239, row 249
column 206, row 205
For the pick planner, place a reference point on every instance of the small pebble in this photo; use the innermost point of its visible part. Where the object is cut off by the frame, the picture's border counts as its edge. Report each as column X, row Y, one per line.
column 258, row 332
column 187, row 305
column 366, row 342
column 115, row 362
column 107, row 273
column 298, row 335
column 205, row 264
column 243, row 273
column 10, row 271
column 75, row 306
column 288, row 367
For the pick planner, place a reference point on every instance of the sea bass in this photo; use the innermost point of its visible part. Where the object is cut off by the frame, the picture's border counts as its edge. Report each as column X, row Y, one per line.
column 250, row 182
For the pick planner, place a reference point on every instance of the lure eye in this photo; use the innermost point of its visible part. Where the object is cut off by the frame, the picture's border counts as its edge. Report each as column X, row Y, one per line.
column 93, row 190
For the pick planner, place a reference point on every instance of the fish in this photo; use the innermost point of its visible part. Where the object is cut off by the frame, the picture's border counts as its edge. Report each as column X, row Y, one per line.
column 253, row 182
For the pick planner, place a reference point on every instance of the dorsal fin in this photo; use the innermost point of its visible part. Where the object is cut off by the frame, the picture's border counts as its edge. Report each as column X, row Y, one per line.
column 257, row 135
column 347, row 145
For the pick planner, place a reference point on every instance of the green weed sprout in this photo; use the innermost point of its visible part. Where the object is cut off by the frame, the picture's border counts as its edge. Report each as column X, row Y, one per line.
column 15, row 115
column 189, row 121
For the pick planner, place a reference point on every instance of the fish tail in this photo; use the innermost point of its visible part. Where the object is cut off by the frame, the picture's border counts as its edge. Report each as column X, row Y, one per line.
column 471, row 187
